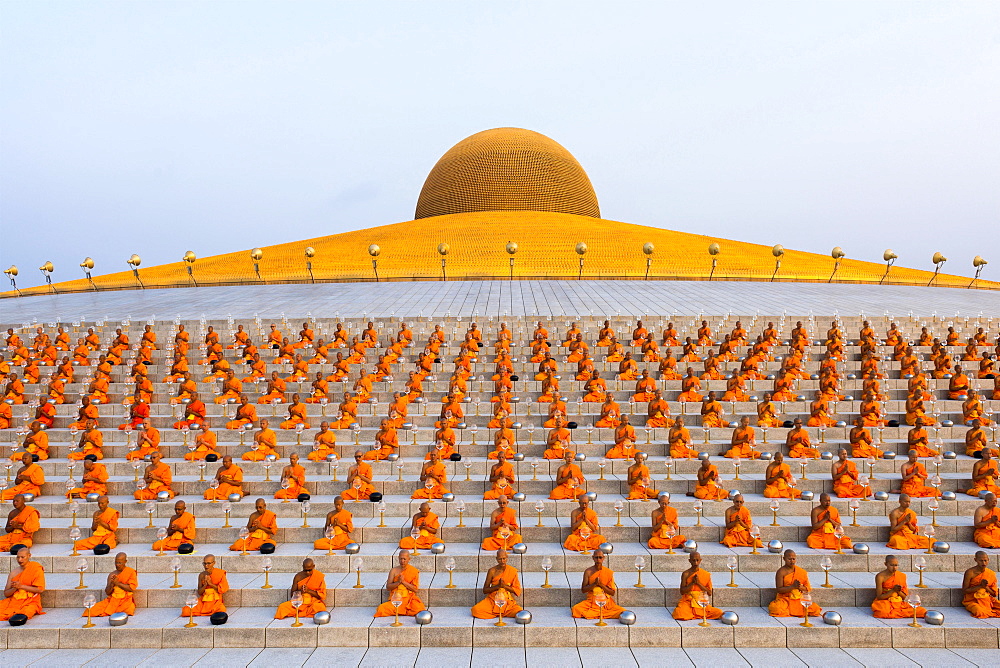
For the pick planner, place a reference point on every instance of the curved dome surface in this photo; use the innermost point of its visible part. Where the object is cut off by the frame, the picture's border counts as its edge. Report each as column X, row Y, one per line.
column 507, row 169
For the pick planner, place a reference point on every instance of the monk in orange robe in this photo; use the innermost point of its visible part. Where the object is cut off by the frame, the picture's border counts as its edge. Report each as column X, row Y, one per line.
column 264, row 443
column 569, row 479
column 979, row 588
column 359, row 479
column 23, row 592
column 708, row 483
column 666, row 533
column 584, row 528
column 861, row 442
column 293, row 479
column 798, row 444
column 338, row 528
column 29, row 480
column 94, row 479
column 296, row 414
column 738, row 525
column 434, row 476
column 904, row 534
column 986, row 523
column 743, row 441
column 147, row 441
column 679, row 439
column 212, row 586
column 262, row 527
column 323, row 444
column 429, row 527
column 228, row 480
column 914, row 474
column 311, row 585
column 690, row 384
column 180, row 529
column 891, row 592
column 103, row 528
column 501, row 589
column 386, row 442
column 403, row 588
column 846, row 484
column 503, row 527
column 502, row 478
column 791, row 583
column 22, row 523
column 600, row 590
column 958, row 384
column 157, row 477
column 825, row 520
column 694, row 581
column 984, row 475
column 88, row 415
column 975, row 440
column 120, row 588
column 778, row 480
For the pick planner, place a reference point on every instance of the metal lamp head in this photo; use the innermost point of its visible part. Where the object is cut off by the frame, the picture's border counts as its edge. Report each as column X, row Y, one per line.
column 321, row 618
column 11, row 271
column 778, row 250
column 190, row 257
column 648, row 248
column 606, row 548
column 374, row 250
column 256, row 254
column 690, row 545
column 46, row 268
column 837, row 253
column 938, row 258
column 832, row 617
column 523, row 617
column 118, row 619
column 437, row 548
column 714, row 249
column 941, row 547
column 352, row 548
column 861, row 548
column 730, row 618
column 134, row 260
column 88, row 263
column 310, row 252
column 889, row 255
column 934, row 617
column 627, row 618
column 775, row 546
column 519, row 548
column 581, row 248
column 424, row 617
column 511, row 247
column 443, row 249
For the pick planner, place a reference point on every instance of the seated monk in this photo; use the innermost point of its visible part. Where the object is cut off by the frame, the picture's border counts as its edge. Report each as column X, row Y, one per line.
column 958, row 384
column 798, row 444
column 194, row 413
column 347, row 411
column 403, row 588
column 975, row 440
column 23, row 592
column 861, row 442
column 624, row 447
column 778, row 480
column 679, row 439
column 972, row 410
column 91, row 443
column 738, row 526
column 600, row 590
column 791, row 582
column 296, row 414
column 120, row 588
column 88, row 416
column 246, row 414
column 826, row 524
column 156, row 478
column 558, row 441
column 94, row 479
column 984, row 475
column 262, row 527
column 666, row 533
column 204, row 444
column 569, row 479
column 212, row 585
column 103, row 528
column 767, row 414
column 819, row 412
column 7, row 414
column 711, row 412
column 557, row 411
column 501, row 589
column 979, row 589
column 891, row 592
column 658, row 412
column 293, row 479
column 986, row 523
column 311, row 586
column 428, row 527
column 503, row 527
column 708, row 483
column 264, row 443
column 917, row 440
column 743, row 441
column 29, row 480
column 502, row 478
column 628, row 368
column 502, row 441
column 645, row 387
column 275, row 392
column 690, row 384
column 695, row 582
column 610, row 411
column 147, row 441
column 180, row 529
column 22, row 523
column 434, row 476
column 584, row 528
column 639, row 481
column 386, row 442
column 232, row 388
column 846, row 481
column 784, row 387
column 914, row 474
column 228, row 480
column 323, row 444
column 359, row 479
column 338, row 528
column 904, row 534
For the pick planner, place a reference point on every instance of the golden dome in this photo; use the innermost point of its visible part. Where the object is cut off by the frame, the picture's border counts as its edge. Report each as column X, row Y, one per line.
column 507, row 169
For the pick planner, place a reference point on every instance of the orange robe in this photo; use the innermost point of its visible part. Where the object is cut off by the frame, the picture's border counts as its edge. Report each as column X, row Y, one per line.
column 225, row 489
column 907, row 537
column 340, row 537
column 983, row 603
column 266, row 442
column 497, row 541
column 844, row 485
column 588, row 608
column 101, row 535
column 824, row 538
column 711, row 490
column 310, row 604
column 325, row 443
column 358, row 488
column 186, row 534
column 780, row 489
column 90, row 486
column 426, row 538
column 798, row 446
column 790, row 604
column 23, row 602
column 915, row 485
column 659, row 540
column 741, row 448
column 738, row 536
column 688, row 607
column 436, row 488
column 296, row 486
column 211, row 601
column 577, row 542
column 895, row 607
column 488, row 608
column 989, row 536
column 411, row 603
column 988, row 483
column 572, row 487
column 119, row 600
column 33, row 485
column 30, row 523
column 162, row 471
column 258, row 537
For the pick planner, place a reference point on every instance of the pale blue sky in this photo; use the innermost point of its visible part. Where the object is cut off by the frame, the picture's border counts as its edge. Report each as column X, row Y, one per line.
column 160, row 127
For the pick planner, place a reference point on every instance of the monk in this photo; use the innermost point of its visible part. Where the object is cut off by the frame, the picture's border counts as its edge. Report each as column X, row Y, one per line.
column 147, row 441
column 891, row 592
column 984, row 474
column 157, row 477
column 825, row 520
column 212, row 586
column 694, row 581
column 22, row 523
column 904, row 534
column 91, row 443
column 708, row 483
column 846, row 483
column 434, row 476
column 338, row 528
column 975, row 440
column 121, row 586
column 610, row 411
column 502, row 478
column 323, row 444
column 403, row 587
column 986, row 523
column 229, row 479
column 958, row 384
column 501, row 589
column 861, row 442
column 205, row 443
column 743, row 441
column 194, row 413
column 94, row 479
column 103, row 528
column 738, row 525
column 25, row 584
column 29, row 480
column 914, row 474
column 584, row 528
column 666, row 533
column 296, row 414
column 311, row 585
column 557, row 441
column 246, row 414
column 87, row 416
column 264, row 443
column 791, row 582
column 679, row 439
column 503, row 527
column 262, row 526
column 386, row 442
column 979, row 588
column 690, row 384
column 600, row 590
column 180, row 529
column 293, row 479
column 569, row 479
column 427, row 524
column 778, row 480
column 798, row 444
column 711, row 412
column 359, row 479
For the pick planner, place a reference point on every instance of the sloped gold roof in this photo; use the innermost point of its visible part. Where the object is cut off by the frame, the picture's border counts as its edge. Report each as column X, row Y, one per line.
column 546, row 249
column 507, row 169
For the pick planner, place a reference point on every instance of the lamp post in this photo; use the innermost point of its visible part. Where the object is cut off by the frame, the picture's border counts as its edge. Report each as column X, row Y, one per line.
column 374, row 251
column 511, row 248
column 87, row 265
column 12, row 273
column 978, row 262
column 938, row 261
column 714, row 249
column 46, row 270
column 837, row 254
column 134, row 261
column 189, row 258
column 256, row 255
column 890, row 258
column 778, row 252
column 310, row 254
column 443, row 249
column 581, row 250
column 648, row 249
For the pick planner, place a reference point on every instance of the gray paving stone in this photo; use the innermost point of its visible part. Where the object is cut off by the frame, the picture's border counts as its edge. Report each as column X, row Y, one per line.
column 241, row 656
column 984, row 658
column 180, row 656
column 719, row 657
column 487, row 657
column 336, row 656
column 282, row 656
column 769, row 656
column 818, row 657
column 125, row 658
column 390, row 657
column 554, row 657
column 937, row 657
column 879, row 657
column 661, row 657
